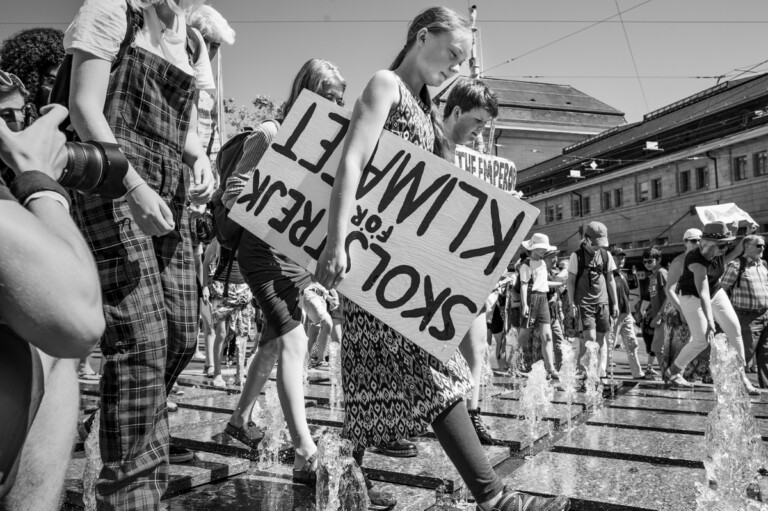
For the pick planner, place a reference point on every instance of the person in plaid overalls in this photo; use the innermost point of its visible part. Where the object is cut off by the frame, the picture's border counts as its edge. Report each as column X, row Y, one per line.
column 141, row 242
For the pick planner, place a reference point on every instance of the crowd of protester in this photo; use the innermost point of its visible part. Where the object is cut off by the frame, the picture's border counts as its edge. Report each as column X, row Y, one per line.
column 176, row 285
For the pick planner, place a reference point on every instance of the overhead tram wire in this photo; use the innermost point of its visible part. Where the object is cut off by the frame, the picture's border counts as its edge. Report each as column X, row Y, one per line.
column 632, row 54
column 615, row 77
column 484, row 71
column 496, row 20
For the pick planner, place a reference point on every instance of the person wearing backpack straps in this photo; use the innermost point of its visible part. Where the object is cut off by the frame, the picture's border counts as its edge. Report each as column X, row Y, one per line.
column 593, row 289
column 746, row 281
column 144, row 101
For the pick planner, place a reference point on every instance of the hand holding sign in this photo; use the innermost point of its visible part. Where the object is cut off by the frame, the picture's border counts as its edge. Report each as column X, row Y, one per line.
column 331, row 267
column 426, row 242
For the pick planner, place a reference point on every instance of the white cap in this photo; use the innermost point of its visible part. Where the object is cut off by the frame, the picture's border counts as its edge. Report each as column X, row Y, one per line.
column 692, row 234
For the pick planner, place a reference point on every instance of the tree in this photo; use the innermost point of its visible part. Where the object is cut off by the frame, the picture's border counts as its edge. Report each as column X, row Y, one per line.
column 240, row 117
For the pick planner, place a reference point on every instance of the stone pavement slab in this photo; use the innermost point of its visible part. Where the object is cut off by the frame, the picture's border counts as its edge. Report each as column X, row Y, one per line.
column 602, row 484
column 659, row 421
column 648, row 446
column 559, row 397
column 698, row 392
column 694, row 406
column 205, row 468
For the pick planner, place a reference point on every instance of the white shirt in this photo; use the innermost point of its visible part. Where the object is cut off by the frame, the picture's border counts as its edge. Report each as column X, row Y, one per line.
column 100, row 27
column 535, row 274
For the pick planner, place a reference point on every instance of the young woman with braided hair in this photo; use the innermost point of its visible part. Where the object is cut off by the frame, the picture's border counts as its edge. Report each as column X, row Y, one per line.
column 374, row 355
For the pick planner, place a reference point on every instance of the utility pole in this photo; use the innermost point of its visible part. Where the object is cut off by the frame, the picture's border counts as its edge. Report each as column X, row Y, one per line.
column 474, row 69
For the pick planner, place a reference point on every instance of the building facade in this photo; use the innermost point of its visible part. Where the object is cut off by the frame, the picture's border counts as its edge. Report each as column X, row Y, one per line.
column 643, row 180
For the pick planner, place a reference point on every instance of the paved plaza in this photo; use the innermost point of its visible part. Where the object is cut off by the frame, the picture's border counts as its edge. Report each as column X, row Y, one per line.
column 642, row 449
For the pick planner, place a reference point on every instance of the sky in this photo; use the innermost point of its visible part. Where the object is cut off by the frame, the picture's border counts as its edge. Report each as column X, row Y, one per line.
column 667, row 43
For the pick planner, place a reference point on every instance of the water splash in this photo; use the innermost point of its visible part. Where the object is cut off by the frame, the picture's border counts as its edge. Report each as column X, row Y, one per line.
column 334, row 362
column 735, row 450
column 568, row 380
column 340, row 481
column 593, row 385
column 609, row 342
column 93, row 464
column 276, row 430
column 488, row 387
column 515, row 366
column 536, row 397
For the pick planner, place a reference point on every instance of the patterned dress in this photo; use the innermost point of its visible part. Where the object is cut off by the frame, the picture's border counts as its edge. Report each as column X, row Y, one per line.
column 392, row 388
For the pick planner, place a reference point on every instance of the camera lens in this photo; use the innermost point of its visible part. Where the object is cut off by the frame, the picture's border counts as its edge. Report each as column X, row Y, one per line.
column 95, row 167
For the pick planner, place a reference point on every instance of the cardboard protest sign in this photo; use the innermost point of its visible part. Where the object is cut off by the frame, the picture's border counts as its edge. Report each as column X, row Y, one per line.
column 729, row 213
column 426, row 241
column 497, row 171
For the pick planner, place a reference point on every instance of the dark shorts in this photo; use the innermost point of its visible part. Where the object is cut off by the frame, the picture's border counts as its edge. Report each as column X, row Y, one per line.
column 276, row 283
column 595, row 317
column 514, row 317
column 648, row 333
column 21, row 390
column 496, row 326
column 539, row 311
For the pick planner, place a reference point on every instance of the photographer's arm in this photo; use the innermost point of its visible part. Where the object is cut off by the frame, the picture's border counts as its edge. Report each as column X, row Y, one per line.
column 88, row 92
column 50, row 289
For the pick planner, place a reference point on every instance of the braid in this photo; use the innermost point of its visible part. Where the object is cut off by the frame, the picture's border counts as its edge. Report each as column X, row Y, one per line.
column 435, row 20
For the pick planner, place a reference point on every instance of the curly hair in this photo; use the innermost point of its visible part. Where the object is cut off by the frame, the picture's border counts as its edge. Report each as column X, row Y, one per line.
column 29, row 53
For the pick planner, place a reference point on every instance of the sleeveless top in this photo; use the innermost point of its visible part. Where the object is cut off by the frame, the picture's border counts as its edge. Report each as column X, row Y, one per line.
column 411, row 120
column 715, row 269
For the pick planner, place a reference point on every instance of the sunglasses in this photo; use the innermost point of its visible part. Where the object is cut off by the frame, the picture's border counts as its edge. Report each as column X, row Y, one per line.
column 722, row 246
column 692, row 241
column 760, row 246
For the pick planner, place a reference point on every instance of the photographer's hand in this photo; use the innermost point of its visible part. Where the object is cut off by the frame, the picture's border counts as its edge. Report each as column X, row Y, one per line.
column 150, row 212
column 39, row 147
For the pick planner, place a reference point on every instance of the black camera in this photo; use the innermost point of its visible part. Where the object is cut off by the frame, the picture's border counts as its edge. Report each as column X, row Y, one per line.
column 92, row 167
column 95, row 167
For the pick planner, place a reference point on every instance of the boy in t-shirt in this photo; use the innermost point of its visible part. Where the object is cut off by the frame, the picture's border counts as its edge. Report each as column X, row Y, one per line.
column 534, row 304
column 590, row 283
column 657, row 281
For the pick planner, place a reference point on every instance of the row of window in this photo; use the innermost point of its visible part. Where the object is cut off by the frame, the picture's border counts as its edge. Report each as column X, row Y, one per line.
column 759, row 161
column 687, row 181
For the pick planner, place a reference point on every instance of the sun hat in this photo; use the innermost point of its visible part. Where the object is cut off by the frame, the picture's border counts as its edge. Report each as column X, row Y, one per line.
column 597, row 232
column 538, row 240
column 717, row 231
column 692, row 234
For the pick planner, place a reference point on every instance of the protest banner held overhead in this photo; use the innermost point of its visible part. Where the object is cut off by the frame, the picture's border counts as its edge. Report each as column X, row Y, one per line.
column 426, row 241
column 497, row 171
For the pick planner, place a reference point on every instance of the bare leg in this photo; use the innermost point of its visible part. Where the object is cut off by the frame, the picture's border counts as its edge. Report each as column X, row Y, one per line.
column 547, row 347
column 46, row 452
column 210, row 338
column 290, row 389
column 220, row 329
column 472, row 348
column 258, row 373
column 600, row 338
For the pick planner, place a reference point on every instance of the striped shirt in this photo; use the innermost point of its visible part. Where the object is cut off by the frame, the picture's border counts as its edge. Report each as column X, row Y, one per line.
column 752, row 292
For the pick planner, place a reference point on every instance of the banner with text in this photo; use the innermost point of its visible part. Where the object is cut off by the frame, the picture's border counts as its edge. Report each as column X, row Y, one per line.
column 497, row 171
column 426, row 242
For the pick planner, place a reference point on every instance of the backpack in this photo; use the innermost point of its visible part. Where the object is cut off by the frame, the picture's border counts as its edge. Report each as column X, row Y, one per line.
column 134, row 22
column 743, row 268
column 581, row 265
column 227, row 231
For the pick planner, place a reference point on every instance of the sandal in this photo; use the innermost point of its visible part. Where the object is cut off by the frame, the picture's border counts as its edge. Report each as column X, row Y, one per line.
column 208, row 371
column 308, row 473
column 751, row 390
column 379, row 500
column 250, row 434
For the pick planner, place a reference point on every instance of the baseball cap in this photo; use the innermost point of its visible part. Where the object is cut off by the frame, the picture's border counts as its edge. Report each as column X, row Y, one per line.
column 616, row 252
column 597, row 232
column 692, row 234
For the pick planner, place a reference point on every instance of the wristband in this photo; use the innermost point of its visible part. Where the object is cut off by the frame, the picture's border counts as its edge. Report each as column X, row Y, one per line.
column 33, row 181
column 50, row 195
